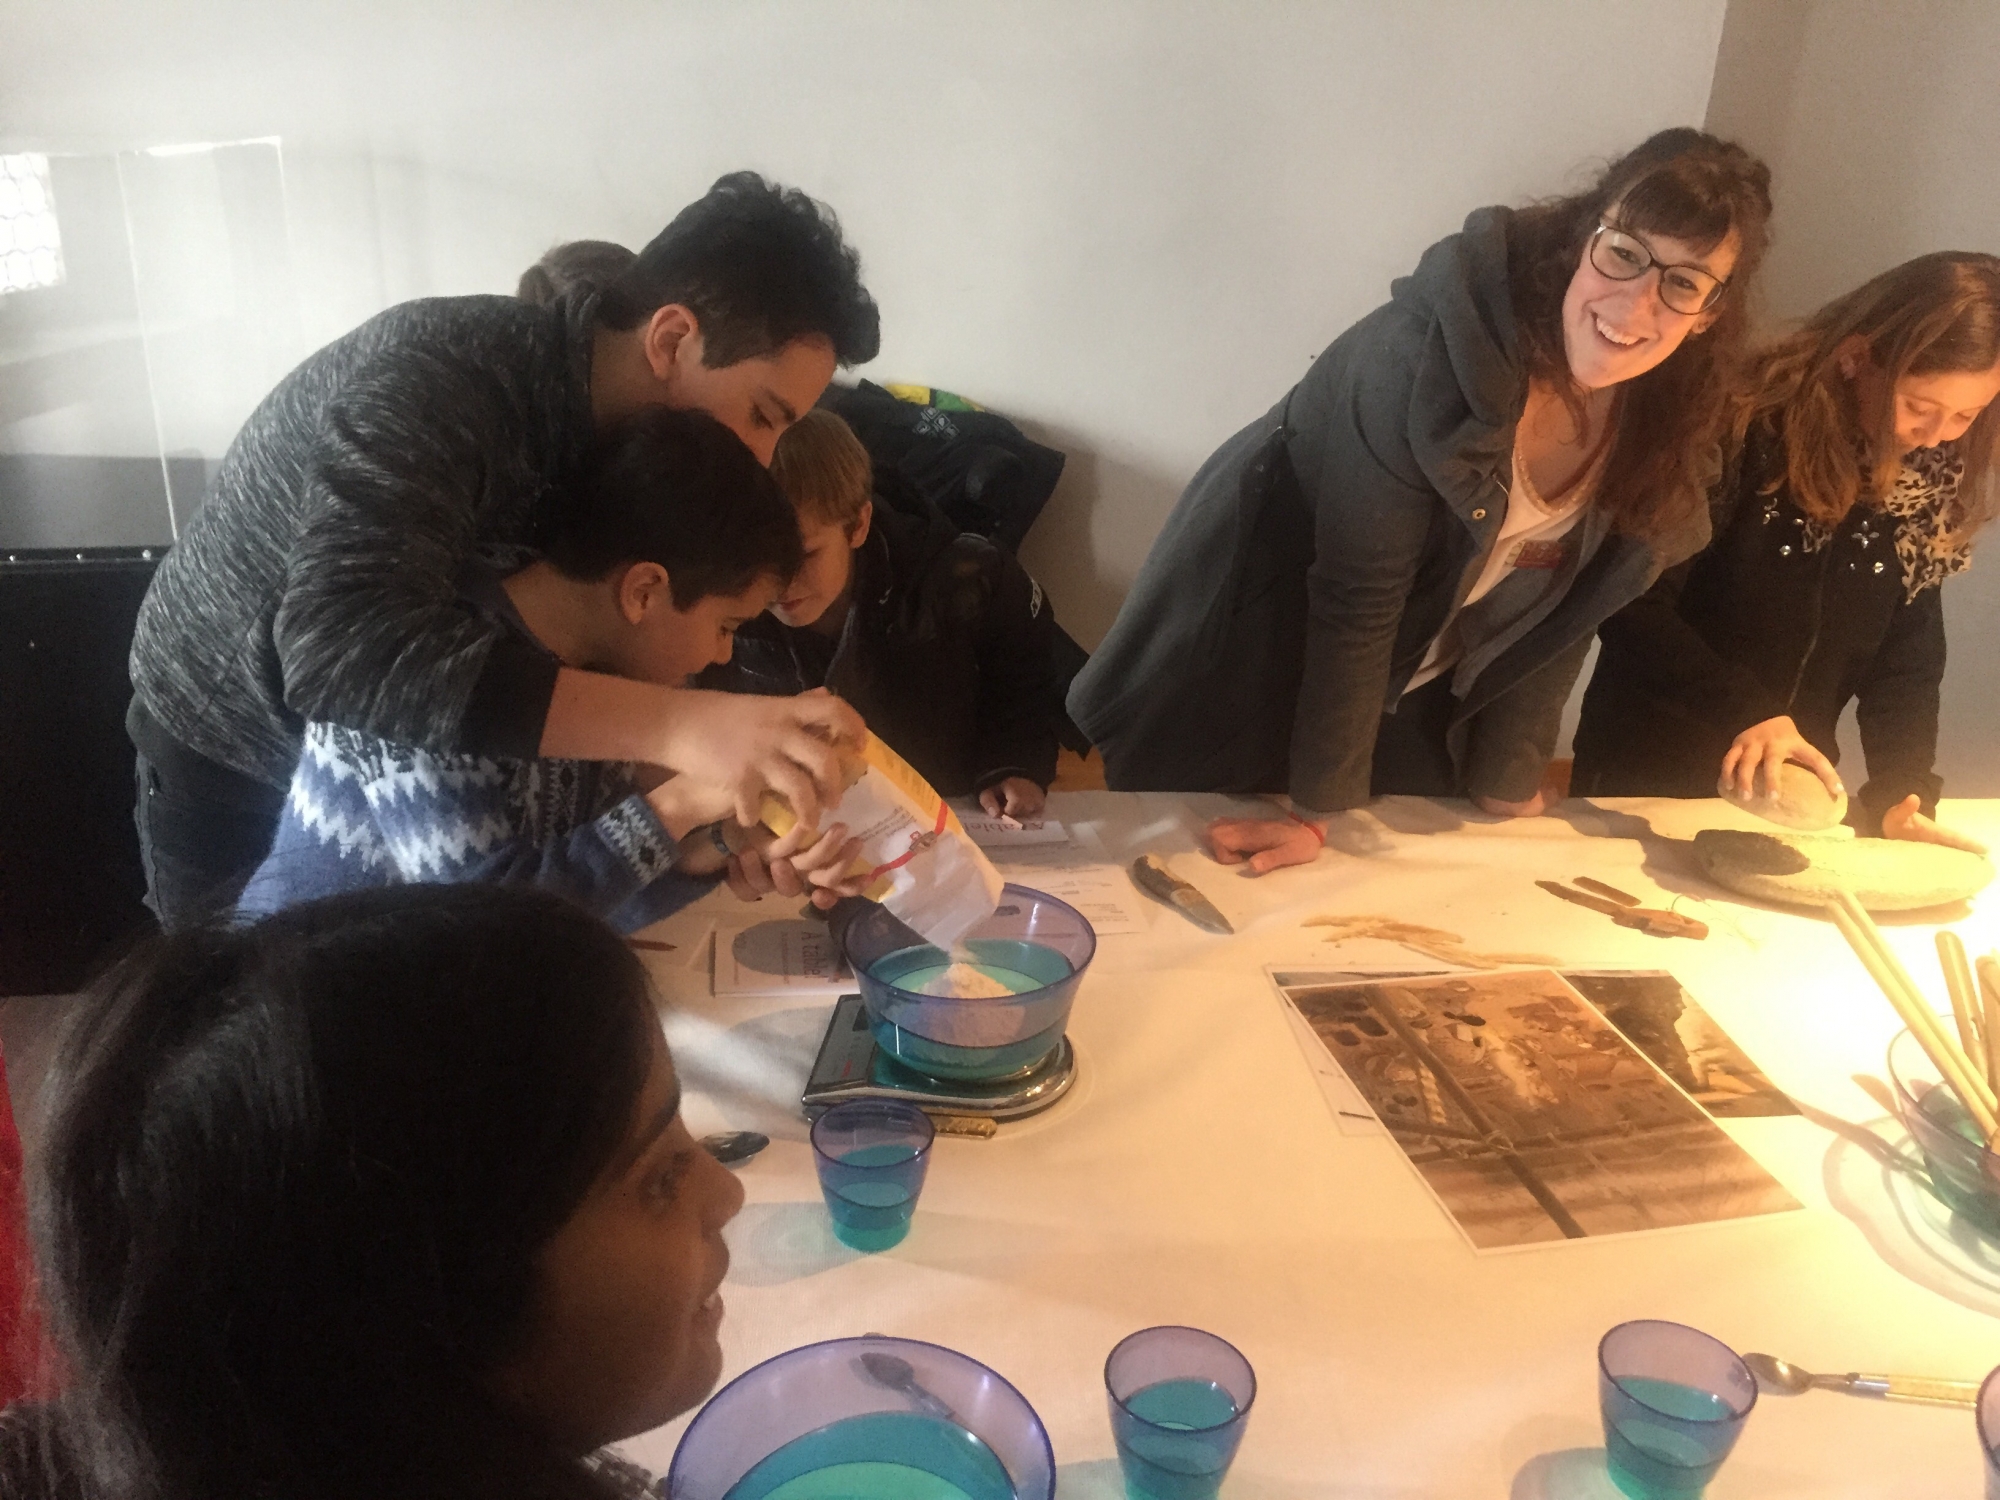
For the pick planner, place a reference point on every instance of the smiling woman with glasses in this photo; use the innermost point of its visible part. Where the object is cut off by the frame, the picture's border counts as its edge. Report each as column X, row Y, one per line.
column 1862, row 467
column 1388, row 583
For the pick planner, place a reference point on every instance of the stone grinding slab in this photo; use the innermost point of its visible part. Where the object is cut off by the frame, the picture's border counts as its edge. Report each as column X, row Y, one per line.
column 1803, row 870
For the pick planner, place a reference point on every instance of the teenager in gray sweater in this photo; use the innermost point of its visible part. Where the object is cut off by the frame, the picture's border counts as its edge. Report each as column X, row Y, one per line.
column 320, row 579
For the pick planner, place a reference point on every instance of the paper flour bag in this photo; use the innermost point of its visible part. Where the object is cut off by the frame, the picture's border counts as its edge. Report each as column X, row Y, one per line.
column 923, row 865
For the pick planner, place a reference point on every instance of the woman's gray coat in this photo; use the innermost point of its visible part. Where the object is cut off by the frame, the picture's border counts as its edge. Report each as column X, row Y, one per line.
column 1309, row 564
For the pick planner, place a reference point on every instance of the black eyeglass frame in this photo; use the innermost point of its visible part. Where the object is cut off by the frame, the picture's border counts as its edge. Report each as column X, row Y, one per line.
column 1654, row 263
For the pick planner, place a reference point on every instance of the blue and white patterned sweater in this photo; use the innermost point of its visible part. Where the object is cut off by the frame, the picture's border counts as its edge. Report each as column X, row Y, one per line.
column 363, row 812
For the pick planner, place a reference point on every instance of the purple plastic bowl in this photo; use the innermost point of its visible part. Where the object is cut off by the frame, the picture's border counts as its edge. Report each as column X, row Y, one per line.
column 806, row 1390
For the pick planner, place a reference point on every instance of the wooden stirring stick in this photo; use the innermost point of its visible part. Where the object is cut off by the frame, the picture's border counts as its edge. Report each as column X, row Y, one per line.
column 1989, row 994
column 1965, row 1007
column 1901, row 992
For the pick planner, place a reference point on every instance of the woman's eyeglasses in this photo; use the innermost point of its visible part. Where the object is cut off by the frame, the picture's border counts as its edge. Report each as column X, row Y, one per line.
column 1624, row 257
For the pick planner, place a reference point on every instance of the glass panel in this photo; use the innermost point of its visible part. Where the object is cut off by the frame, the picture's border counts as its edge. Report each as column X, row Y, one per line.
column 79, row 454
column 172, row 312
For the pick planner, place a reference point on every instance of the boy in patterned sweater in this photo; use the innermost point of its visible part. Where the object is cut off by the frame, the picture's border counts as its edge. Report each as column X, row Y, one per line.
column 674, row 538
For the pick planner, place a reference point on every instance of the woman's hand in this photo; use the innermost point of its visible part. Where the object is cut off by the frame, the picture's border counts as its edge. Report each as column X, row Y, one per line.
column 1534, row 807
column 1264, row 844
column 1016, row 797
column 1768, row 746
column 1906, row 821
column 803, row 861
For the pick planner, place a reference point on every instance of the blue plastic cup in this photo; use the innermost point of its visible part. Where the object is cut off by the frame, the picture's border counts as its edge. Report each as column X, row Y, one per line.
column 872, row 1155
column 1988, row 1418
column 869, row 1416
column 1180, row 1399
column 1674, row 1402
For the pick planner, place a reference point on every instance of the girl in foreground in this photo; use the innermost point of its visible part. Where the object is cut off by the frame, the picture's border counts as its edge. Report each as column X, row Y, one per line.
column 387, row 1195
column 1389, row 582
column 1864, row 466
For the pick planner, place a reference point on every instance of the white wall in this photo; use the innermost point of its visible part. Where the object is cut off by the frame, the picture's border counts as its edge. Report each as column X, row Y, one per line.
column 1128, row 223
column 1880, row 126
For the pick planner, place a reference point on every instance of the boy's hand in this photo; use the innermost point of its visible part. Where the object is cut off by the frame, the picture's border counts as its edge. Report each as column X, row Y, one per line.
column 1014, row 797
column 748, row 745
column 684, row 804
column 803, row 860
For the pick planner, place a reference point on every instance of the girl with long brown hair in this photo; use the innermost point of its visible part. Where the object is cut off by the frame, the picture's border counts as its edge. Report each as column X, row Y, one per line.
column 1863, row 466
column 1388, row 583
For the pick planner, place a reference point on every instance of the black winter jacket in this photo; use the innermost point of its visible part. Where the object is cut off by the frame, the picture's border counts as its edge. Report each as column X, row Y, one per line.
column 945, row 654
column 1309, row 564
column 1757, row 626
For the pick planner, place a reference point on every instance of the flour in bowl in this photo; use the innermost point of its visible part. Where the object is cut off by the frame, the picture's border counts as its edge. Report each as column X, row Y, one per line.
column 961, row 981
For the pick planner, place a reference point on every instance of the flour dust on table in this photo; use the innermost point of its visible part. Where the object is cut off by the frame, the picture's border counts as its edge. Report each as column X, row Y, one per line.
column 1526, row 1113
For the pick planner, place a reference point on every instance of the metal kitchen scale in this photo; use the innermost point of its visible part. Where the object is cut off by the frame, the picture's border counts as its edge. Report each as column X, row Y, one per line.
column 851, row 1066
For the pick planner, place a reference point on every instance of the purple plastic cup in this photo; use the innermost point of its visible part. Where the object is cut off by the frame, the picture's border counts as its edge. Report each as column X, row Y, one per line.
column 841, row 1417
column 1180, row 1399
column 1987, row 1418
column 872, row 1156
column 1674, row 1401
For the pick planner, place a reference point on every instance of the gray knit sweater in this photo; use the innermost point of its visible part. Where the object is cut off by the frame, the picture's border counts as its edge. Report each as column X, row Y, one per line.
column 319, row 579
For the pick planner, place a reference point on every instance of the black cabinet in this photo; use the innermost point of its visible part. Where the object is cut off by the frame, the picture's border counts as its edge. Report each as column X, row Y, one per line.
column 70, row 880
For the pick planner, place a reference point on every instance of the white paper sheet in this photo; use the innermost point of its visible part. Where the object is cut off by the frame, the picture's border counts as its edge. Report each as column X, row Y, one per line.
column 1000, row 834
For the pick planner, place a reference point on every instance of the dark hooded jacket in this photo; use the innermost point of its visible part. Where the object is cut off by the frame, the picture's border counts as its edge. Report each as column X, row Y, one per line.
column 1760, row 625
column 1311, row 561
column 946, row 654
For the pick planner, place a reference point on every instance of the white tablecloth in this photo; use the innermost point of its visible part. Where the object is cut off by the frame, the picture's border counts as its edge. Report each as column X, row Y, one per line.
column 1196, row 1175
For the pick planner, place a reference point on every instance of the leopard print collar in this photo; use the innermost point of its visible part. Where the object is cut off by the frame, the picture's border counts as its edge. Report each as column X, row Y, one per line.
column 1924, row 501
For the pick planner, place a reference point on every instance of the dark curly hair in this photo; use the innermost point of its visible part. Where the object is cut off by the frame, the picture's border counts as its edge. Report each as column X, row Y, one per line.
column 759, row 265
column 1670, row 421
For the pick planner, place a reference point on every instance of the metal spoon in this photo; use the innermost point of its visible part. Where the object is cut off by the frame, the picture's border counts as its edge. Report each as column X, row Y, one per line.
column 1780, row 1377
column 897, row 1374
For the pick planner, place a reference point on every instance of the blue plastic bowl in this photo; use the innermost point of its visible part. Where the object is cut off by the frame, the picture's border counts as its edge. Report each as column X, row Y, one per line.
column 1036, row 944
column 812, row 1422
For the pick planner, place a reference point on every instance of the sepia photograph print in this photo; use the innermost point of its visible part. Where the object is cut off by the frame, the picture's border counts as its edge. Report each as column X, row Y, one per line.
column 1528, row 1115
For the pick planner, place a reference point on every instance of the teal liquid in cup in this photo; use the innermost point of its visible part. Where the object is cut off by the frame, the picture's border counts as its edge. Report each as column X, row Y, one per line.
column 872, row 1215
column 1651, row 1460
column 1168, row 1456
column 882, row 1456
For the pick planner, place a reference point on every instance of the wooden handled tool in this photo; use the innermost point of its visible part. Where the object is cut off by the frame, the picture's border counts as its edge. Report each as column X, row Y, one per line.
column 1626, row 911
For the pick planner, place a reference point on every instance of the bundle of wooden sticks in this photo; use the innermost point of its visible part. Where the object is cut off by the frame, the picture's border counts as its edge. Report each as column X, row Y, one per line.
column 1970, row 1066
